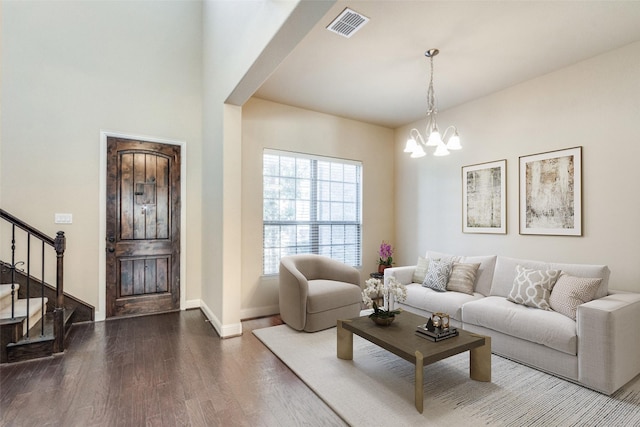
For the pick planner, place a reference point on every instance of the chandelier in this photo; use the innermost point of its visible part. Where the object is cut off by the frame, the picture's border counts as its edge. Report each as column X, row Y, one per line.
column 416, row 142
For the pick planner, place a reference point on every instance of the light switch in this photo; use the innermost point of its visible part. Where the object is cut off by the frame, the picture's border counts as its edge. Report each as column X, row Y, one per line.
column 63, row 218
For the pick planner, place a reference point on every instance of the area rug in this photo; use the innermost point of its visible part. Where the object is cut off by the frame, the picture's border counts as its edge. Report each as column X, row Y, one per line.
column 376, row 387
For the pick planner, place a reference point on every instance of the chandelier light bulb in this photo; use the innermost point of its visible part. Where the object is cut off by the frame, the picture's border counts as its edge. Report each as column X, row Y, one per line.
column 454, row 142
column 441, row 150
column 435, row 140
column 411, row 146
column 418, row 152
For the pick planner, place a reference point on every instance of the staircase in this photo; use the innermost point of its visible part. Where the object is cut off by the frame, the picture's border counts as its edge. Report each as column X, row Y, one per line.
column 34, row 317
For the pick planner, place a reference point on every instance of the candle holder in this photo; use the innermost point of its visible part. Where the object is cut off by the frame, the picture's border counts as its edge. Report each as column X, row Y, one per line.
column 440, row 320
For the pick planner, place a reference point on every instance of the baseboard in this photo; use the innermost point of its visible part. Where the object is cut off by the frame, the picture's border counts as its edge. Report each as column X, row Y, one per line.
column 252, row 313
column 225, row 331
column 192, row 303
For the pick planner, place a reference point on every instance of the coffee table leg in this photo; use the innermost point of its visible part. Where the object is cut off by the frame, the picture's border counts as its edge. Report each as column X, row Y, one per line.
column 419, row 396
column 345, row 342
column 480, row 361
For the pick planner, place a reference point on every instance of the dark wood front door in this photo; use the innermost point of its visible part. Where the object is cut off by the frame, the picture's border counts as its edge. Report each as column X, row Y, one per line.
column 143, row 227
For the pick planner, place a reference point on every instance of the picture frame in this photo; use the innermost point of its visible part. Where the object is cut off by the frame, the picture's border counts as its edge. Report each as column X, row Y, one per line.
column 551, row 193
column 484, row 198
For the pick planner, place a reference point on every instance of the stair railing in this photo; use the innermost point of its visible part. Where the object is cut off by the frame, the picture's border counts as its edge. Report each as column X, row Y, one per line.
column 58, row 244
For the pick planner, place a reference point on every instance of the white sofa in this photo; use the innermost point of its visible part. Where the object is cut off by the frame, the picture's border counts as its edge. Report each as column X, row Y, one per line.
column 600, row 349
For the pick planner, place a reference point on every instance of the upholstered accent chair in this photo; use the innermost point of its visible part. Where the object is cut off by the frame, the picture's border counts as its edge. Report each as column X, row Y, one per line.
column 315, row 291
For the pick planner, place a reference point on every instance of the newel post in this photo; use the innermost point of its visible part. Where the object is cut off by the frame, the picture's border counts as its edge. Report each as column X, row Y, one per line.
column 58, row 312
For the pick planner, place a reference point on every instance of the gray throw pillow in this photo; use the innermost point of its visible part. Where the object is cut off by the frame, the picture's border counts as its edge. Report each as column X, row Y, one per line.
column 533, row 287
column 438, row 275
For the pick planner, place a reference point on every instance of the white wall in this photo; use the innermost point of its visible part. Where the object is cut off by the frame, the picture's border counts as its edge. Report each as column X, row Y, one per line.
column 71, row 69
column 594, row 104
column 243, row 43
column 229, row 48
column 270, row 125
column 164, row 69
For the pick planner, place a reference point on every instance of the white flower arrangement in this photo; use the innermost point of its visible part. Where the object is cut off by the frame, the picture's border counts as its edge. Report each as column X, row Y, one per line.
column 394, row 291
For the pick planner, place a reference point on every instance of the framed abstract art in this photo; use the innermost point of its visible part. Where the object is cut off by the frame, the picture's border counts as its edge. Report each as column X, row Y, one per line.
column 551, row 193
column 484, row 197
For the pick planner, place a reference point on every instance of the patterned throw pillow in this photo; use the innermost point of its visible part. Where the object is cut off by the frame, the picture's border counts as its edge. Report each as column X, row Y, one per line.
column 463, row 277
column 533, row 287
column 421, row 270
column 570, row 291
column 438, row 274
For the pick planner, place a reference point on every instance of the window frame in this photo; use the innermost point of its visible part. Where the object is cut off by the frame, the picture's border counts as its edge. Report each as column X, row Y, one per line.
column 314, row 223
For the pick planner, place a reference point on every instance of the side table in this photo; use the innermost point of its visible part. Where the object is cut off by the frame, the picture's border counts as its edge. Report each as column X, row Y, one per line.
column 380, row 276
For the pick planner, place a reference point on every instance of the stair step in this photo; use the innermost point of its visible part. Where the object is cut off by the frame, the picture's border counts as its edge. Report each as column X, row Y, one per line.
column 68, row 313
column 5, row 294
column 20, row 310
column 20, row 307
column 40, row 342
column 31, row 348
column 37, row 330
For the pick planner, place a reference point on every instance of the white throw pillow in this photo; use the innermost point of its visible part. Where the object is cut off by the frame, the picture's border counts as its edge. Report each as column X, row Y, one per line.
column 438, row 274
column 533, row 287
column 571, row 291
column 421, row 270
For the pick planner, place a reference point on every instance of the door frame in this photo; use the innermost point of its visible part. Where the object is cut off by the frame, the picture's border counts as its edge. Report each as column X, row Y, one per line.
column 102, row 238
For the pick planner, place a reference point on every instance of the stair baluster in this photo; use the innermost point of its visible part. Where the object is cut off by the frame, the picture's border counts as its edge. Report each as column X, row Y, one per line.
column 42, row 290
column 13, row 271
column 28, row 280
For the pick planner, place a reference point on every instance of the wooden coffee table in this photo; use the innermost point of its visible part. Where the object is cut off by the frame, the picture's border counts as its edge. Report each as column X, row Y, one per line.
column 400, row 339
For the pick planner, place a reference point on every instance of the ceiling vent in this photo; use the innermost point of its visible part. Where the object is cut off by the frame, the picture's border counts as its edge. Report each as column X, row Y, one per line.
column 347, row 23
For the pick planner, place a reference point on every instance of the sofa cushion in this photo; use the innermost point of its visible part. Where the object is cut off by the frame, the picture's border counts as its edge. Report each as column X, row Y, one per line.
column 505, row 273
column 571, row 291
column 441, row 255
column 329, row 294
column 432, row 301
column 438, row 274
column 484, row 276
column 588, row 270
column 463, row 277
column 421, row 270
column 533, row 287
column 543, row 327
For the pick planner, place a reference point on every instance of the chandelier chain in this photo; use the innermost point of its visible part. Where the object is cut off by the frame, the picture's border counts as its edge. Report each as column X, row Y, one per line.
column 431, row 97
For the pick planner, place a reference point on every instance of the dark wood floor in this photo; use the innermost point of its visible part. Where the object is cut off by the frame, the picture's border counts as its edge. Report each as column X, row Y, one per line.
column 168, row 370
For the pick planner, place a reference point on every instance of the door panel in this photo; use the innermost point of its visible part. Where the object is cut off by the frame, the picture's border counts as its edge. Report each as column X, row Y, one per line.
column 143, row 234
column 143, row 276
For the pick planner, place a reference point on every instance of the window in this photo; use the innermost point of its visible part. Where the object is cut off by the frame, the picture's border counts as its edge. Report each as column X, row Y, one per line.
column 311, row 205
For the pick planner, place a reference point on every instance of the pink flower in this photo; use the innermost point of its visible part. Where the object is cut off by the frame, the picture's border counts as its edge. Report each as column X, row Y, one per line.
column 385, row 252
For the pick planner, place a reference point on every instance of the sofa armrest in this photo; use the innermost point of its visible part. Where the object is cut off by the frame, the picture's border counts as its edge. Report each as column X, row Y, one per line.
column 609, row 341
column 293, row 289
column 403, row 275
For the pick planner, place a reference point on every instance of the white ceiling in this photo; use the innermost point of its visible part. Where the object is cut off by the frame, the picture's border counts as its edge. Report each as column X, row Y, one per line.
column 380, row 74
